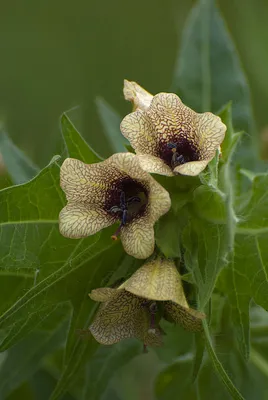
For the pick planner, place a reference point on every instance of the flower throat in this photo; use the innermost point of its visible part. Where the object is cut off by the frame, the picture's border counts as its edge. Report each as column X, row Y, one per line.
column 179, row 152
column 127, row 202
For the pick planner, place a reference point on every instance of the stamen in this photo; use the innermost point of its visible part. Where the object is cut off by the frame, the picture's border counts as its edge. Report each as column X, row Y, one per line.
column 177, row 159
column 126, row 203
column 172, row 145
column 178, row 152
column 122, row 200
column 123, row 210
column 145, row 350
column 123, row 222
column 115, row 209
column 134, row 199
column 117, row 232
column 124, row 217
column 153, row 311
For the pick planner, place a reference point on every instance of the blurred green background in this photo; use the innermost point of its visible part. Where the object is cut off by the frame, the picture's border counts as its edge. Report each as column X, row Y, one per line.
column 56, row 55
column 61, row 55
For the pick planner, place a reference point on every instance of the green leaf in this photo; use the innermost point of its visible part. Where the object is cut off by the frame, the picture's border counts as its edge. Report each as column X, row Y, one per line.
column 229, row 357
column 219, row 367
column 253, row 212
column 24, row 391
column 206, row 252
column 43, row 384
column 17, row 367
column 22, row 207
column 244, row 279
column 18, row 165
column 76, row 146
column 208, row 73
column 136, row 378
column 29, row 202
column 199, row 355
column 209, row 382
column 176, row 378
column 209, row 203
column 105, row 363
column 12, row 284
column 111, row 123
column 172, row 347
column 168, row 236
column 232, row 138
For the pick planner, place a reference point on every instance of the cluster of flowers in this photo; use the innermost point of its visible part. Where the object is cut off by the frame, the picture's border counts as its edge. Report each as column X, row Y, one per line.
column 168, row 138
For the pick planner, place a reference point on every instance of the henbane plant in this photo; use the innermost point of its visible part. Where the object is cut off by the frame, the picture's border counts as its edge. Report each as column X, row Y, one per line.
column 119, row 189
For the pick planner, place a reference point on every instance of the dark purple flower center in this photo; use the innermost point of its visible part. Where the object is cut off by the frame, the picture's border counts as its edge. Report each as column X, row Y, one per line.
column 127, row 199
column 178, row 151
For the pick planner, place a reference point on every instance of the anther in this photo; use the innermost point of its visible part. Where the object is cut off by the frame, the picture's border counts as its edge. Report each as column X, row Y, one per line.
column 117, row 232
column 172, row 145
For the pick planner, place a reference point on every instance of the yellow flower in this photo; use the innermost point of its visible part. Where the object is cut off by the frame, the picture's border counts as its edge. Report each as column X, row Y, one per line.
column 117, row 189
column 135, row 308
column 168, row 137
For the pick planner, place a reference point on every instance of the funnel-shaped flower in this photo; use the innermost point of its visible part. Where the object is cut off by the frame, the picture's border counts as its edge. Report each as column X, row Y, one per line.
column 168, row 137
column 135, row 308
column 117, row 189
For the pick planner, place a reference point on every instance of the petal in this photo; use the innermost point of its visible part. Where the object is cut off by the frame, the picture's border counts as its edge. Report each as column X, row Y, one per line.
column 192, row 168
column 80, row 220
column 140, row 132
column 190, row 319
column 87, row 183
column 129, row 165
column 103, row 294
column 138, row 238
column 154, row 164
column 135, row 93
column 157, row 280
column 159, row 201
column 169, row 115
column 119, row 319
column 210, row 134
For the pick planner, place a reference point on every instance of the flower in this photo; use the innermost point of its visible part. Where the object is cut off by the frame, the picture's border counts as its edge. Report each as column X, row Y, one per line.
column 140, row 98
column 135, row 308
column 168, row 137
column 117, row 189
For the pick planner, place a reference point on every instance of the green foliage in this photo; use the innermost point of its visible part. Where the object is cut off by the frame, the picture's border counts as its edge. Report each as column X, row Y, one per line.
column 111, row 123
column 75, row 145
column 215, row 77
column 216, row 230
column 18, row 165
